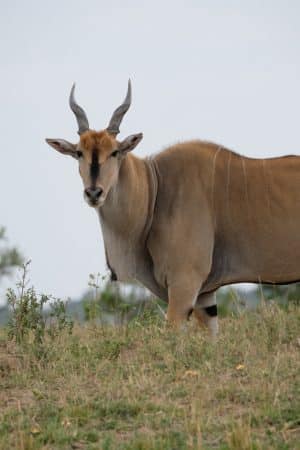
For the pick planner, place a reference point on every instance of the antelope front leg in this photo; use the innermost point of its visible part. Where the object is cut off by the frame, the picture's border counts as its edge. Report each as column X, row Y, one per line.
column 206, row 312
column 182, row 298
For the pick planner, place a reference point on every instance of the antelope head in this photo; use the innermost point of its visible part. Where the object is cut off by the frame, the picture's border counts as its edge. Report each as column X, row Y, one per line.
column 99, row 153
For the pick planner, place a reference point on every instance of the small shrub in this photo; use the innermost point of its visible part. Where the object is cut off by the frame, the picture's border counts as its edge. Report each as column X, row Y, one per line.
column 119, row 303
column 28, row 317
column 10, row 258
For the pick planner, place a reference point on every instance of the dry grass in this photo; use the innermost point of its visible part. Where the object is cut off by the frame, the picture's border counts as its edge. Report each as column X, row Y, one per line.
column 145, row 387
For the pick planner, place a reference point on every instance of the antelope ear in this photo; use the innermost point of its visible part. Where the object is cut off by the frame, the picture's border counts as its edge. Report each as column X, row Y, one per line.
column 64, row 147
column 130, row 142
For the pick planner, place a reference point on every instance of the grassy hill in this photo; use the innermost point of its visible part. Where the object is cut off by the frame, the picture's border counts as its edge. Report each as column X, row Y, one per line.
column 146, row 387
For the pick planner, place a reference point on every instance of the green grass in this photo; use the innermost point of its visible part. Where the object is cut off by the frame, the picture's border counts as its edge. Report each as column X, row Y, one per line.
column 146, row 387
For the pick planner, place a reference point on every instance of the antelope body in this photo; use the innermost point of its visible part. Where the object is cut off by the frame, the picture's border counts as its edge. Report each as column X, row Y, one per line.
column 191, row 219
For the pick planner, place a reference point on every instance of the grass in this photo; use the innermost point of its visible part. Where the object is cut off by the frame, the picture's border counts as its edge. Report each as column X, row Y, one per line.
column 146, row 387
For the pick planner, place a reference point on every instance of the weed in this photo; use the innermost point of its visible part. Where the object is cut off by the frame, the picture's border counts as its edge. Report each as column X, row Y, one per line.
column 108, row 302
column 29, row 319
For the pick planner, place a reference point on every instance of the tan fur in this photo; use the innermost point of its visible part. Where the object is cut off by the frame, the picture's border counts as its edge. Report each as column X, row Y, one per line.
column 101, row 141
column 193, row 218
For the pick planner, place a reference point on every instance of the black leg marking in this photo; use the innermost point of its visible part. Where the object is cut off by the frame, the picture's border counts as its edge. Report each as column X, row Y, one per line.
column 190, row 313
column 211, row 311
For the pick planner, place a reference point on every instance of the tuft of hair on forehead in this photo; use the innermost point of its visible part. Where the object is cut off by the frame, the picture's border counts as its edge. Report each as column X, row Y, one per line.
column 100, row 140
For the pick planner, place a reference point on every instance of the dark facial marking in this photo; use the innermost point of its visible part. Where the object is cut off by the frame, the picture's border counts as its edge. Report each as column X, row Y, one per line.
column 211, row 311
column 95, row 168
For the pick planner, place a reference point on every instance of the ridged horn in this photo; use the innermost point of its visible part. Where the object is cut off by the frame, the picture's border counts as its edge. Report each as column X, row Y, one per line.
column 82, row 120
column 113, row 127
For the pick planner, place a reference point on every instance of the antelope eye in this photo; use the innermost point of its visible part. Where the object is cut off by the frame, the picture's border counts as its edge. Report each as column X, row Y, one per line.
column 79, row 154
column 115, row 153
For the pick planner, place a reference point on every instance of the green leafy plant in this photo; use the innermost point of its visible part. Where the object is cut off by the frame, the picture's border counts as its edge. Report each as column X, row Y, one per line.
column 9, row 257
column 118, row 303
column 28, row 316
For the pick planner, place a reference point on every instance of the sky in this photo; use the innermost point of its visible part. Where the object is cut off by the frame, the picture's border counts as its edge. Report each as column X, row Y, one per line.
column 228, row 72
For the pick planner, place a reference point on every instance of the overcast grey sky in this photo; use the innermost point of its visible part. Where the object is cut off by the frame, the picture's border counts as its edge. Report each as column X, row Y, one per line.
column 226, row 71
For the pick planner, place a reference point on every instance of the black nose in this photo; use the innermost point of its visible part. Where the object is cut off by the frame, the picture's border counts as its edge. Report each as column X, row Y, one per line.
column 93, row 194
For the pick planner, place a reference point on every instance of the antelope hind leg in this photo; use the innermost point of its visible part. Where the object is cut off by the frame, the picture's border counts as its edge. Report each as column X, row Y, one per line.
column 205, row 310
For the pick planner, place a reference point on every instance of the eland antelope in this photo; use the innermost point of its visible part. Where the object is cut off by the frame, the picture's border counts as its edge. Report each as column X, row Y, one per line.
column 190, row 219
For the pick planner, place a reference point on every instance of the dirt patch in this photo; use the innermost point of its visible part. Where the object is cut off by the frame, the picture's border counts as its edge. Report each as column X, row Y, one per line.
column 9, row 364
column 16, row 398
